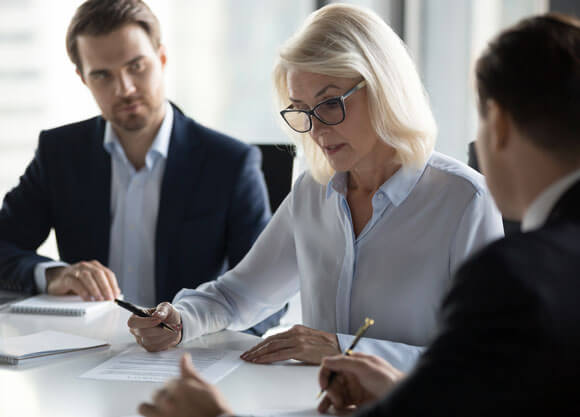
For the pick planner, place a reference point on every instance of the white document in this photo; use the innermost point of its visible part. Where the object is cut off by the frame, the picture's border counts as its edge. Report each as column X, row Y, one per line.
column 137, row 365
column 307, row 412
column 48, row 342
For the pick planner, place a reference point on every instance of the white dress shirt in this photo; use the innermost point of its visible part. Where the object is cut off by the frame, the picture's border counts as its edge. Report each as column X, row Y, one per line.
column 425, row 222
column 538, row 212
column 134, row 206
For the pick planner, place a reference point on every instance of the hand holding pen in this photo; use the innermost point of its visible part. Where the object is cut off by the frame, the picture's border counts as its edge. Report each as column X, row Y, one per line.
column 358, row 379
column 368, row 323
column 155, row 329
column 141, row 312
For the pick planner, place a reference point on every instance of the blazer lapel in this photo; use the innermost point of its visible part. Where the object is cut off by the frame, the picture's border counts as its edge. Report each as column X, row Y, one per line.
column 182, row 171
column 98, row 193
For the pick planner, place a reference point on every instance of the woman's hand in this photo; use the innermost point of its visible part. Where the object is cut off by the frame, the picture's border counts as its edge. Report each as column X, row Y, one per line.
column 148, row 333
column 300, row 343
column 359, row 379
column 187, row 396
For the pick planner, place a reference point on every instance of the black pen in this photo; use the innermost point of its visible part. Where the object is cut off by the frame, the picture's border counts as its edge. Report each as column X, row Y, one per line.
column 368, row 323
column 141, row 313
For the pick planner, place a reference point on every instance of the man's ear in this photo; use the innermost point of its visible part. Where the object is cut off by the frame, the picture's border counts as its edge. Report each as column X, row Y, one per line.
column 80, row 74
column 162, row 54
column 500, row 125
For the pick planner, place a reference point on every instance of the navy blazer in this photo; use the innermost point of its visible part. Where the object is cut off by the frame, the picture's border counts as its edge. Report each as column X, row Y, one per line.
column 510, row 337
column 213, row 205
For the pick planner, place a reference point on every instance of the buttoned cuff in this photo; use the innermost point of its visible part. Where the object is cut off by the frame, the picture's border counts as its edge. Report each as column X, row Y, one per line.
column 186, row 324
column 344, row 341
column 40, row 273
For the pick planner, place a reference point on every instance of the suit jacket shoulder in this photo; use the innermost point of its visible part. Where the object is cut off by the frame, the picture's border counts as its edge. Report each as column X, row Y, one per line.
column 73, row 135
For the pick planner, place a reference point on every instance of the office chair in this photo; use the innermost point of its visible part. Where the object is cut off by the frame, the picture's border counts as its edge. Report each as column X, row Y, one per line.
column 277, row 163
column 509, row 226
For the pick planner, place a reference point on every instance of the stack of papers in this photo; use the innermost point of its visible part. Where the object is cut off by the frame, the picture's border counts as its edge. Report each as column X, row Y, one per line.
column 48, row 342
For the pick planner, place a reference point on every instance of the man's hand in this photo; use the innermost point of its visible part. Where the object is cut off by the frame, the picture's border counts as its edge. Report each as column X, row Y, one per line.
column 148, row 333
column 188, row 396
column 359, row 379
column 300, row 342
column 90, row 280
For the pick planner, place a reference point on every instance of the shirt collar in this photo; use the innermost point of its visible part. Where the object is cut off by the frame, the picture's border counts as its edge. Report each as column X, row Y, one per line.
column 538, row 212
column 159, row 147
column 397, row 188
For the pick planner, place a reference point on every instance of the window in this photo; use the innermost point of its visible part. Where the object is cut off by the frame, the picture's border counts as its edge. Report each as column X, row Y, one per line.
column 220, row 56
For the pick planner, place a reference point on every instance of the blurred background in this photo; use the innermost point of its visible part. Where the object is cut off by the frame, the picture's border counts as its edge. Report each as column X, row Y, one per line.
column 220, row 56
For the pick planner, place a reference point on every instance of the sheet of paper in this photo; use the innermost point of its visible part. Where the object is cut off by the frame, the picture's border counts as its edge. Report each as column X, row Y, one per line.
column 309, row 412
column 136, row 364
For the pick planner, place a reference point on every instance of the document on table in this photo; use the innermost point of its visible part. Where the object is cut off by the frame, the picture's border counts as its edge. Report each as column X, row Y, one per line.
column 307, row 412
column 137, row 365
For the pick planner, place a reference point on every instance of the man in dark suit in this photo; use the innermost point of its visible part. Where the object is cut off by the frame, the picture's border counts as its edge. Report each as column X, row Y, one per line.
column 143, row 199
column 509, row 340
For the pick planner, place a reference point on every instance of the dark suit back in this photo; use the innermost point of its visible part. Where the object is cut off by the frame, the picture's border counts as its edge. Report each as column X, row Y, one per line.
column 510, row 338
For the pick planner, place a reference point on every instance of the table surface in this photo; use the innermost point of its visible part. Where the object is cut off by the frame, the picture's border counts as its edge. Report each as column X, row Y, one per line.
column 51, row 386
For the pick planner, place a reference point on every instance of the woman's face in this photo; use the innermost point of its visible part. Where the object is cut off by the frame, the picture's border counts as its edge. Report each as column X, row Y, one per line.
column 349, row 144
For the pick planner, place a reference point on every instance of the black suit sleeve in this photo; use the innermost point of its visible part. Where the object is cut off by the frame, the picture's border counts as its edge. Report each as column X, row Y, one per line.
column 25, row 222
column 474, row 367
column 249, row 210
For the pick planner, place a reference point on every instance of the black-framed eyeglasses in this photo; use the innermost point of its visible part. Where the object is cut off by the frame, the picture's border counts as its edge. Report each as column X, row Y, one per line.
column 330, row 112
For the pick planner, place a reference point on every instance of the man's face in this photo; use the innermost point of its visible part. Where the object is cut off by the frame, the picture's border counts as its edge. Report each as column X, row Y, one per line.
column 125, row 75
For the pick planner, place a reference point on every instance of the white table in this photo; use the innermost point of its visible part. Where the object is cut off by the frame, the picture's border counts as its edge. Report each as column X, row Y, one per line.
column 51, row 386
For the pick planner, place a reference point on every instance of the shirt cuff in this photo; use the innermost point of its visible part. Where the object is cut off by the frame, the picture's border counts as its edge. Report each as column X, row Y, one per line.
column 400, row 355
column 187, row 324
column 40, row 273
column 344, row 341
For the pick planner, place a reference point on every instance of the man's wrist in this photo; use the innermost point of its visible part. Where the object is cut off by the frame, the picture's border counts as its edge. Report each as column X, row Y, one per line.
column 40, row 276
column 53, row 273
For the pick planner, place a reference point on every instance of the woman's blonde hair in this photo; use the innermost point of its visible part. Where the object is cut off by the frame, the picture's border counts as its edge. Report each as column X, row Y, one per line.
column 347, row 41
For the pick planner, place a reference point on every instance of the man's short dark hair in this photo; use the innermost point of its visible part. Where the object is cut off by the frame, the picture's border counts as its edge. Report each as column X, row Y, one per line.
column 101, row 17
column 532, row 70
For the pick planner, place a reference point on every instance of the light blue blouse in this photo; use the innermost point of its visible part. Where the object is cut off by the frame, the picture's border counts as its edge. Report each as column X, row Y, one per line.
column 425, row 223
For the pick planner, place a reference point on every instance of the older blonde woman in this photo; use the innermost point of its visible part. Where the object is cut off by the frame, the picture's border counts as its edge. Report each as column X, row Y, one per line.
column 374, row 228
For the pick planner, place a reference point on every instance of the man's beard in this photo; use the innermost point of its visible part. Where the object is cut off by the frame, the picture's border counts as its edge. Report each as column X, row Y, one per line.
column 131, row 123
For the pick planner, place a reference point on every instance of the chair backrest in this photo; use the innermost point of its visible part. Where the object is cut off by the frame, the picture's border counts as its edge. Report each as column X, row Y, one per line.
column 509, row 226
column 277, row 164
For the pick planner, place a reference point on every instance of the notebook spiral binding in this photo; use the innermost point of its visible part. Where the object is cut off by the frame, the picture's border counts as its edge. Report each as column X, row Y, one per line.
column 47, row 310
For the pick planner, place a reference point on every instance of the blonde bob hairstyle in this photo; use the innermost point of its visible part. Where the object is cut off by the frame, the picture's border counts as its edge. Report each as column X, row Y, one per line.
column 347, row 41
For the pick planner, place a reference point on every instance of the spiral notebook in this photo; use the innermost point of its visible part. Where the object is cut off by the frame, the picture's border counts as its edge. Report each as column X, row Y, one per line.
column 67, row 305
column 48, row 342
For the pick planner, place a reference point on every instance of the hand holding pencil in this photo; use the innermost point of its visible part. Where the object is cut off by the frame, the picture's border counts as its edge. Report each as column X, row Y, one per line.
column 353, row 379
column 368, row 323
